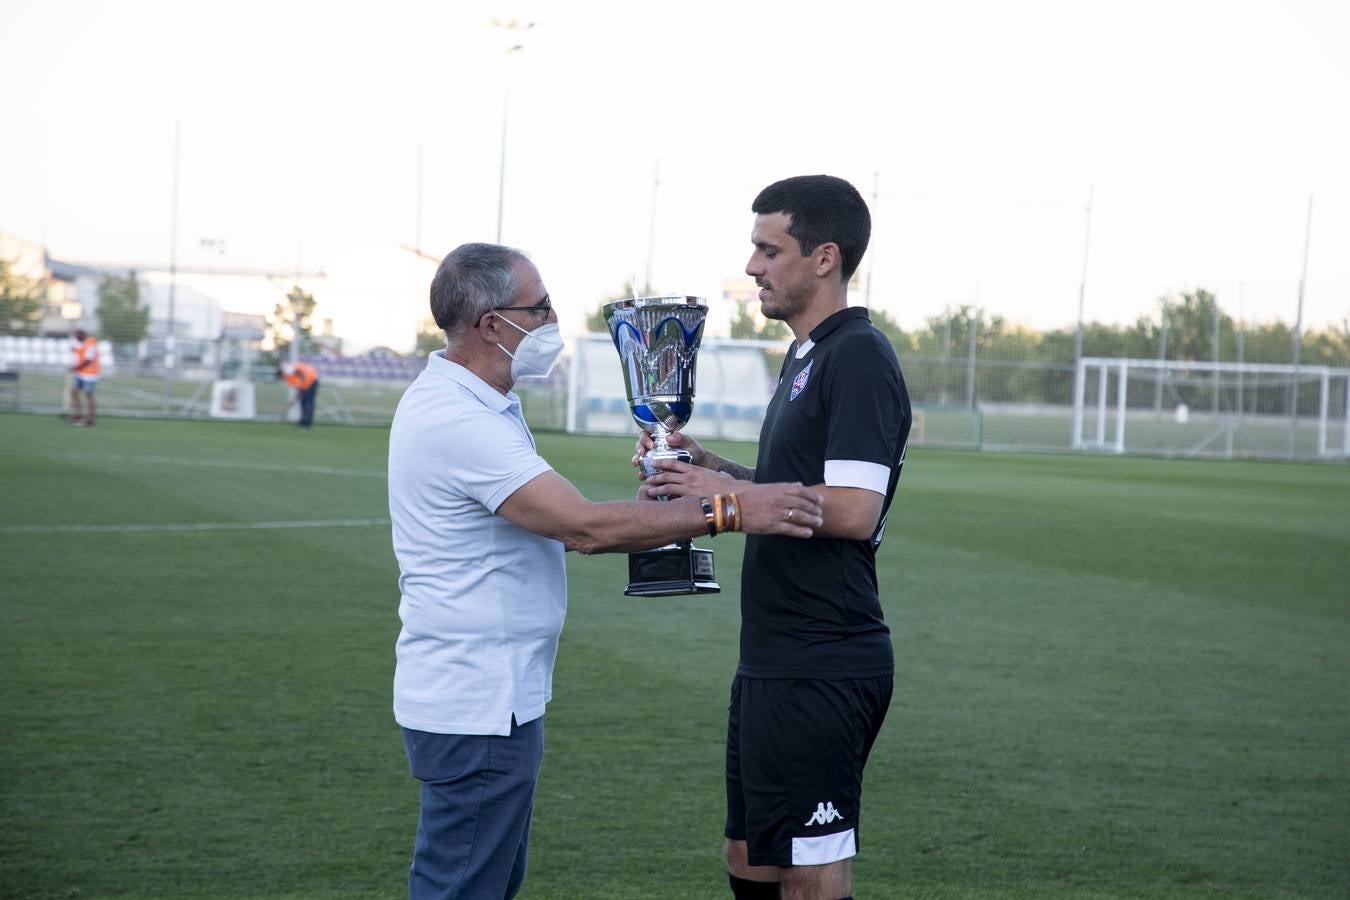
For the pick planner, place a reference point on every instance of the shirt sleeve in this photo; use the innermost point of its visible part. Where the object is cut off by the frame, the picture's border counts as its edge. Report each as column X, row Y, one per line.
column 866, row 410
column 494, row 457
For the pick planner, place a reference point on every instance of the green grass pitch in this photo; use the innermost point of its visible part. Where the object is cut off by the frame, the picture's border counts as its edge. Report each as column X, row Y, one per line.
column 1115, row 678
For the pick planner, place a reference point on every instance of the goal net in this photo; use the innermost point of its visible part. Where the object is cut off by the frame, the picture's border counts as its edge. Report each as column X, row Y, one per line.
column 1179, row 408
column 733, row 382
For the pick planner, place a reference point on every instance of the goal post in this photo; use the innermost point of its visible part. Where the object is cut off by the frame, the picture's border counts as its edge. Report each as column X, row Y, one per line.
column 1211, row 409
column 733, row 383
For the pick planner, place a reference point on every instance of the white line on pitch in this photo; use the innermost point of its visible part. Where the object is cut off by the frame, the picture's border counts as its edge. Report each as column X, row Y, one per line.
column 222, row 464
column 193, row 526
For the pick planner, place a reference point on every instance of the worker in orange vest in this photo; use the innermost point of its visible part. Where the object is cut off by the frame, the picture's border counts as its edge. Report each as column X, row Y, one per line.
column 305, row 379
column 86, row 371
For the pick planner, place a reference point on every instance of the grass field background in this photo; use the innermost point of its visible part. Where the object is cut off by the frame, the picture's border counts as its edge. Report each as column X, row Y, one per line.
column 1115, row 678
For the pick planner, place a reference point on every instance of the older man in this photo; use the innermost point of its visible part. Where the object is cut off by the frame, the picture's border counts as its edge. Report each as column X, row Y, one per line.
column 480, row 525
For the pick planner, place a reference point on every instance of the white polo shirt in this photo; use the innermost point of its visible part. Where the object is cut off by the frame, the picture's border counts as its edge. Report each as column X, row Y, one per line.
column 483, row 600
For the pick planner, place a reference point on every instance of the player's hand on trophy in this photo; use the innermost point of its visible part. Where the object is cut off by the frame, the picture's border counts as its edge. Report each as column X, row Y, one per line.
column 642, row 493
column 676, row 441
column 676, row 479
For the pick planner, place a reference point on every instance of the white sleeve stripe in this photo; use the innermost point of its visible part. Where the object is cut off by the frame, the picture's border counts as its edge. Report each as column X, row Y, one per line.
column 857, row 474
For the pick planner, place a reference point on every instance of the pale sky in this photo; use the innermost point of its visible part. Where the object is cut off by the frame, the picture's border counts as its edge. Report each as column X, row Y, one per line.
column 1201, row 128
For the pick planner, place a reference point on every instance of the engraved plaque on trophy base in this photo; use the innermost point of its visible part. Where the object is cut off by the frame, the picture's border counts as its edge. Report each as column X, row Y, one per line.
column 677, row 569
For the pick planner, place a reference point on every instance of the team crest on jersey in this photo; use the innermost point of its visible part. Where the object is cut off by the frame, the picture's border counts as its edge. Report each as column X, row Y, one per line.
column 799, row 383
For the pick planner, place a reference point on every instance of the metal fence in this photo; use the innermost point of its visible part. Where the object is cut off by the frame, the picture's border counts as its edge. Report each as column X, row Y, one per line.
column 1173, row 409
column 35, row 378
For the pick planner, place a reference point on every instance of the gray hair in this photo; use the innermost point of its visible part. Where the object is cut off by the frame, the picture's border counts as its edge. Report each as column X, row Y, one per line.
column 471, row 280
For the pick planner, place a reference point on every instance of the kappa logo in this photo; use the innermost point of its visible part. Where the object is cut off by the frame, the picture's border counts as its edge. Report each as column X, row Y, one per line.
column 825, row 814
column 799, row 383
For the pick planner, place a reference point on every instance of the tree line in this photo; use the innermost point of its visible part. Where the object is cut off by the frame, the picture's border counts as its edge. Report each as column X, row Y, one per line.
column 967, row 355
column 960, row 355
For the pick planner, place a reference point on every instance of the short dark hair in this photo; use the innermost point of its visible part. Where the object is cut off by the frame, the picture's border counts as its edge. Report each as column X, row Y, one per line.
column 471, row 280
column 824, row 209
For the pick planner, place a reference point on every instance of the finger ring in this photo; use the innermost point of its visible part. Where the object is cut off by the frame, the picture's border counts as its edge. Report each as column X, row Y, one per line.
column 789, row 515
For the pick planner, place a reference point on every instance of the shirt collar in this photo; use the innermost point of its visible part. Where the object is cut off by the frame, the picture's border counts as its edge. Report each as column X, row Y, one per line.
column 834, row 320
column 439, row 365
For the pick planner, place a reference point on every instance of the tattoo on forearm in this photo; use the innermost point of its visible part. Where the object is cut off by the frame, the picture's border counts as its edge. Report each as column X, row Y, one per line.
column 735, row 470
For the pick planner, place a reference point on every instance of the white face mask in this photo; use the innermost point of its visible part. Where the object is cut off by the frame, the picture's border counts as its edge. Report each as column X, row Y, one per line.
column 537, row 353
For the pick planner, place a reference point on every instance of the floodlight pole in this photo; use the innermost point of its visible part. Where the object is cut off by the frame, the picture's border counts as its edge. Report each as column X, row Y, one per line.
column 1077, row 442
column 1298, row 333
column 1214, row 302
column 417, row 234
column 946, row 353
column 501, row 165
column 1239, row 348
column 506, row 103
column 173, row 272
column 295, row 299
column 973, row 321
column 872, row 261
column 1162, row 357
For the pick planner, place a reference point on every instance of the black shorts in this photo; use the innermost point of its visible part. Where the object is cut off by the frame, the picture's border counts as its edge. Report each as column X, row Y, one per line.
column 795, row 755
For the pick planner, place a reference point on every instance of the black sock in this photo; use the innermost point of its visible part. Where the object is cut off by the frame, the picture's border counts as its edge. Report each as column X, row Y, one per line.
column 743, row 889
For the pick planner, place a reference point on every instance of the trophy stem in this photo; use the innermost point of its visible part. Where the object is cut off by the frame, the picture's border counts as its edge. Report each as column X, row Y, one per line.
column 659, row 435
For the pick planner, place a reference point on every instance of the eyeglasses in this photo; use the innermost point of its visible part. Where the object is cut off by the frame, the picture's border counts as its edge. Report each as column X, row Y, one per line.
column 540, row 309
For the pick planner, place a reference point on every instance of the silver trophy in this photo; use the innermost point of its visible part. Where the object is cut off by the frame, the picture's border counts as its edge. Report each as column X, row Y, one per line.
column 657, row 339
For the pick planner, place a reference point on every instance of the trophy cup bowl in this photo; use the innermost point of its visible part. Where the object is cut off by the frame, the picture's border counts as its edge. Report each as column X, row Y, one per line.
column 657, row 339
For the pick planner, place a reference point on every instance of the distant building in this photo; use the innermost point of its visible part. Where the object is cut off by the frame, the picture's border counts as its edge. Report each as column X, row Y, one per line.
column 61, row 310
column 741, row 289
column 237, row 326
column 78, row 307
column 187, row 304
column 329, row 344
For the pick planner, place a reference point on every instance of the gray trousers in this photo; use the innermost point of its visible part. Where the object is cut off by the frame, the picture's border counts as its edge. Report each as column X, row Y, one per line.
column 477, row 796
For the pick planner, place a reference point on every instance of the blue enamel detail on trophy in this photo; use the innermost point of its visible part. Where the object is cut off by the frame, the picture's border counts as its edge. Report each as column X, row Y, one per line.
column 690, row 337
column 644, row 414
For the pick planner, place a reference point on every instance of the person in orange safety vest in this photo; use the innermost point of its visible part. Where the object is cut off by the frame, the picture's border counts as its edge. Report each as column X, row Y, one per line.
column 87, row 370
column 305, row 379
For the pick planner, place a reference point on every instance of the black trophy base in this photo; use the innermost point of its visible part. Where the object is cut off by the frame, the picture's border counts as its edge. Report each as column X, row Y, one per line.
column 676, row 569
